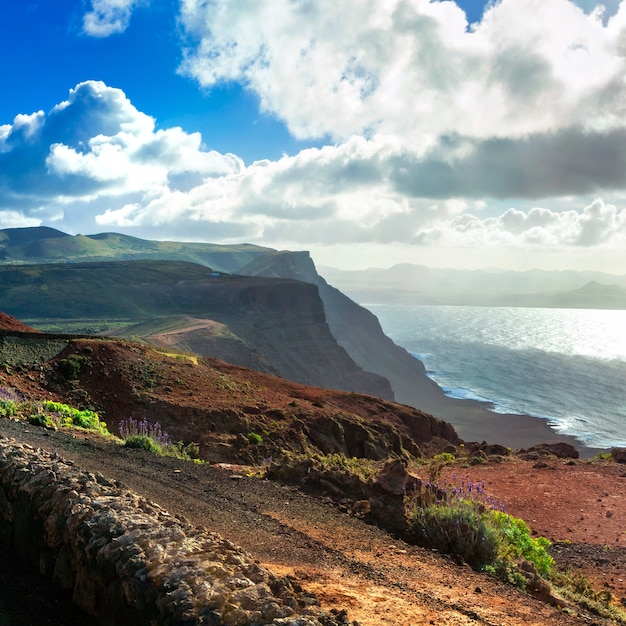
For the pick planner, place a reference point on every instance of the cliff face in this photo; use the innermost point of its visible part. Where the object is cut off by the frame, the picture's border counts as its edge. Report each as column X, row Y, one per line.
column 275, row 324
column 285, row 323
column 356, row 329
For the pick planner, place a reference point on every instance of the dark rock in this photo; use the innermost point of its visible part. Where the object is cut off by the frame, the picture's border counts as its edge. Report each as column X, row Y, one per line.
column 561, row 450
column 392, row 478
column 496, row 449
column 619, row 455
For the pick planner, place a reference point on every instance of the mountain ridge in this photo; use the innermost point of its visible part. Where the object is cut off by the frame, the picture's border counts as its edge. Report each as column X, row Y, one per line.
column 406, row 283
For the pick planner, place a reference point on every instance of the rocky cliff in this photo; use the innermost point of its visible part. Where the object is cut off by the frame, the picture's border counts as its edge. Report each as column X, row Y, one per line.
column 278, row 321
column 356, row 330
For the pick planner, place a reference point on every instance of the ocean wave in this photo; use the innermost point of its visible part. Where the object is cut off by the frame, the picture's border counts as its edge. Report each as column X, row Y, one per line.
column 577, row 393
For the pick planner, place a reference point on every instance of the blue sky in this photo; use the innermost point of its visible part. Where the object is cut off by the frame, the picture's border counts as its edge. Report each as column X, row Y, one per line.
column 464, row 134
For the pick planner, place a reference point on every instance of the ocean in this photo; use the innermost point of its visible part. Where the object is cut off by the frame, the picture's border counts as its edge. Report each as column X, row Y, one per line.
column 567, row 366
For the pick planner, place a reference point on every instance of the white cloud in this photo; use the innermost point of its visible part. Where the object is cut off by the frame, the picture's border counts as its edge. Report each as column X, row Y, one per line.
column 95, row 162
column 94, row 144
column 109, row 17
column 413, row 69
column 599, row 224
column 17, row 219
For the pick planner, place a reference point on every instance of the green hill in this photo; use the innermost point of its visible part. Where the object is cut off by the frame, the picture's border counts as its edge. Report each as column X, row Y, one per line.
column 47, row 245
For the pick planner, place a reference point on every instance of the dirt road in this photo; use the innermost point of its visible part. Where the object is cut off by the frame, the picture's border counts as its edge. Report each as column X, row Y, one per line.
column 347, row 563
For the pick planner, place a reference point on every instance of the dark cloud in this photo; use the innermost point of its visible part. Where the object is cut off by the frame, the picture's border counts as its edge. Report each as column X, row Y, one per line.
column 568, row 162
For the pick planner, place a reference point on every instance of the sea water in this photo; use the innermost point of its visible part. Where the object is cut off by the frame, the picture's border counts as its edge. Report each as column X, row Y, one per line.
column 565, row 365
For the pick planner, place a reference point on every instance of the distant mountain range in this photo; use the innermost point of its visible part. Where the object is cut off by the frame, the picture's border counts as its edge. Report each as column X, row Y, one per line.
column 416, row 284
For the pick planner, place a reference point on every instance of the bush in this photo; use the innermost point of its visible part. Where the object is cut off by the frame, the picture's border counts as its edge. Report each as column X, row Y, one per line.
column 40, row 419
column 48, row 413
column 437, row 463
column 10, row 402
column 459, row 519
column 336, row 462
column 516, row 542
column 459, row 530
column 143, row 442
column 70, row 368
column 66, row 415
column 151, row 437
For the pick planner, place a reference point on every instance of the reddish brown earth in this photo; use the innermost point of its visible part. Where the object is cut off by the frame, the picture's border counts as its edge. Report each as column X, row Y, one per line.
column 10, row 323
column 350, row 565
column 581, row 505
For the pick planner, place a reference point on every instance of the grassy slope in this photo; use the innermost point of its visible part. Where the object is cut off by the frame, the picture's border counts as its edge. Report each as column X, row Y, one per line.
column 46, row 245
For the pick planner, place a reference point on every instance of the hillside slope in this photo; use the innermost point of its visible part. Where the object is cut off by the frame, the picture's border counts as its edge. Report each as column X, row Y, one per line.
column 47, row 245
column 347, row 563
column 213, row 403
column 281, row 320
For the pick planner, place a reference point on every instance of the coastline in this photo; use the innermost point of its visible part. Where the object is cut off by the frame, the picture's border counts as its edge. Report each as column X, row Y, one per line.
column 475, row 420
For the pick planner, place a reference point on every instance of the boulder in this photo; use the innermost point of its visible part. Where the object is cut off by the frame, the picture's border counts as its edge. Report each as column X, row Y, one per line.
column 561, row 450
column 619, row 455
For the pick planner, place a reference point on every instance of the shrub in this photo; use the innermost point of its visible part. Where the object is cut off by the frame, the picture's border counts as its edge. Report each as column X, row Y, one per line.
column 49, row 413
column 40, row 419
column 363, row 468
column 255, row 438
column 151, row 437
column 70, row 368
column 459, row 519
column 459, row 530
column 516, row 542
column 143, row 442
column 437, row 463
column 10, row 402
column 65, row 415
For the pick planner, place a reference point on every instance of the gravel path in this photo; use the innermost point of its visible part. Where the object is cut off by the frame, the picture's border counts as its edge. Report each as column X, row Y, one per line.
column 347, row 563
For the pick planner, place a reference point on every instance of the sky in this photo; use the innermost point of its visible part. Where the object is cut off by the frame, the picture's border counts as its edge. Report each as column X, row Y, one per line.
column 372, row 132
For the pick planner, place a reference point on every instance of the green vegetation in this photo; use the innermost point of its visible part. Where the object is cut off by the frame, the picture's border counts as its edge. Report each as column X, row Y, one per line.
column 360, row 467
column 579, row 589
column 48, row 413
column 461, row 530
column 255, row 438
column 437, row 463
column 70, row 368
column 603, row 456
column 47, row 245
column 459, row 519
column 143, row 442
column 141, row 434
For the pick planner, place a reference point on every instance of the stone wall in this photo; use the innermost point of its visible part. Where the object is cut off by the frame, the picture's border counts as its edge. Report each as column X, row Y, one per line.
column 29, row 348
column 128, row 561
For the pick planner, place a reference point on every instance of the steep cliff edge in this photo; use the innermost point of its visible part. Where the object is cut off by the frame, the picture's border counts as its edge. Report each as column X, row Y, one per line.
column 279, row 321
column 357, row 331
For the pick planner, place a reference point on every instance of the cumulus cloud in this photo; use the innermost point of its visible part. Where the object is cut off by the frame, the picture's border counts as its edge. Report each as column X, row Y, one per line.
column 97, row 144
column 414, row 70
column 109, row 17
column 94, row 162
column 598, row 224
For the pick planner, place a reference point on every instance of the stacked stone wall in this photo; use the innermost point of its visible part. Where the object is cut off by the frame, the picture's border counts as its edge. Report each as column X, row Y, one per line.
column 128, row 561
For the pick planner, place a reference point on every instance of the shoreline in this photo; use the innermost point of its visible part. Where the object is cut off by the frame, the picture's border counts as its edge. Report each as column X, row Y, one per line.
column 475, row 420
